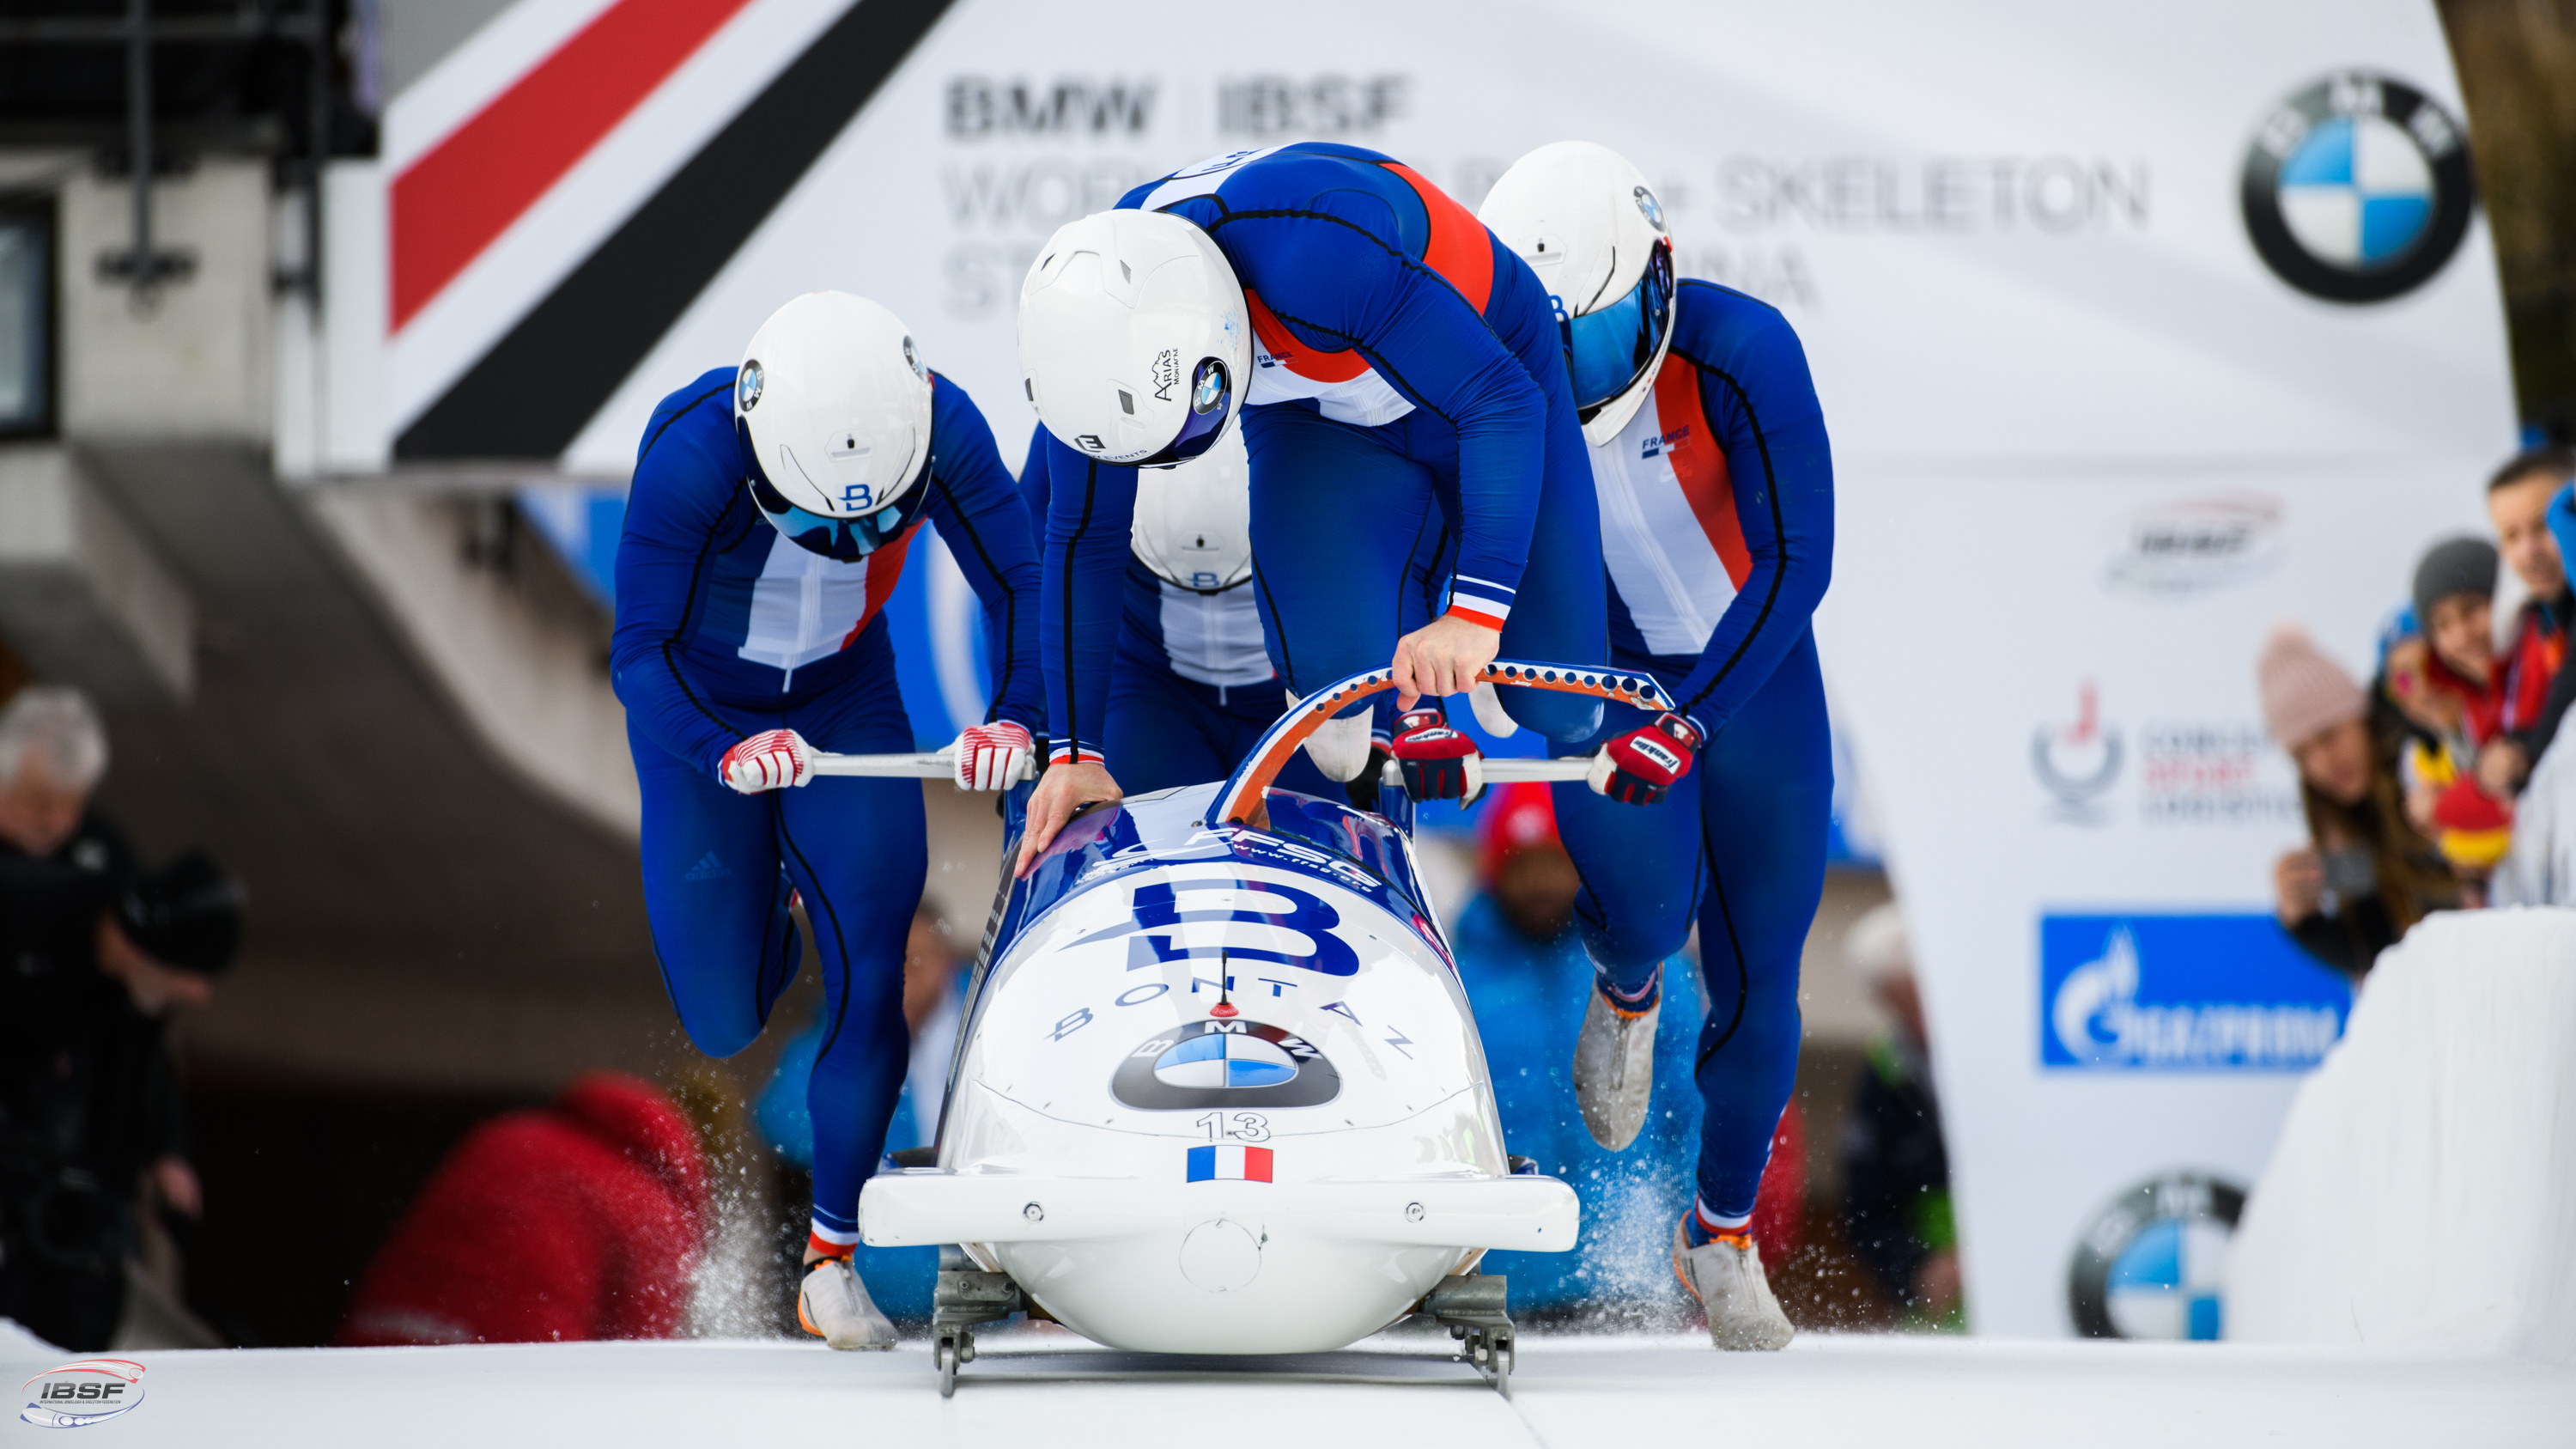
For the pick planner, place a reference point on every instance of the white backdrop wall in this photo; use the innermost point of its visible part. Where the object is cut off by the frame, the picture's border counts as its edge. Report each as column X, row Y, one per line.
column 2088, row 444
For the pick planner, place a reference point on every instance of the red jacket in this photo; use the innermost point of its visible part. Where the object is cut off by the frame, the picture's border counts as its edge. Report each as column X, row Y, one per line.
column 580, row 1221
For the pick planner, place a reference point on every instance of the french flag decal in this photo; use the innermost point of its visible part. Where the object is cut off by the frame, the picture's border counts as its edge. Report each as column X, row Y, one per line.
column 1229, row 1163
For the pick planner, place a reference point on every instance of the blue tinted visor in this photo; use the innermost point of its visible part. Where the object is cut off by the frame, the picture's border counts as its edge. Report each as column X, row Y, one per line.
column 1609, row 348
column 845, row 540
column 1211, row 403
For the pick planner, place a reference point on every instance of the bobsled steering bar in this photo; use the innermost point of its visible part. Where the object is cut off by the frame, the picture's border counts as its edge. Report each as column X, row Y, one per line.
column 1241, row 795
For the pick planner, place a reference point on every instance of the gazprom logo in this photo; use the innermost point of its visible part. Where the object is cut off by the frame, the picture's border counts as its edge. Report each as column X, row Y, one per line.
column 2183, row 993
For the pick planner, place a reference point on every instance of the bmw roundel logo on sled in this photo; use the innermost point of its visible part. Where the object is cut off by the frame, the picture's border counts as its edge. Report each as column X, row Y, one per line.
column 2357, row 189
column 1225, row 1063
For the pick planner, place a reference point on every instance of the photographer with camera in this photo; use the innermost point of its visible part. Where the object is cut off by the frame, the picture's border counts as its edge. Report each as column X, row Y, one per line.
column 2366, row 876
column 95, row 953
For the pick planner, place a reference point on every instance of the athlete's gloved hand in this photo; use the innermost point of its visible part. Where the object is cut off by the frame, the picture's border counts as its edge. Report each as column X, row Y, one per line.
column 1639, row 766
column 993, row 756
column 770, row 760
column 1439, row 762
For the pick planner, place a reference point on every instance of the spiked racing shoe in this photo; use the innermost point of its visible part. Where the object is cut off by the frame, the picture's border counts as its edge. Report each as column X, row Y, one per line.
column 1725, row 1275
column 833, row 1305
column 1614, row 1061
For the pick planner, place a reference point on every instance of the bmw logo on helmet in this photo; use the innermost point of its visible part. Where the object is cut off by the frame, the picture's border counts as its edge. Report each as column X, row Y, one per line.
column 747, row 387
column 912, row 360
column 2357, row 189
column 1654, row 210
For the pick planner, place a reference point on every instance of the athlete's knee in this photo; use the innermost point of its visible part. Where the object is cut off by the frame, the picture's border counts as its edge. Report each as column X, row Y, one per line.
column 1625, row 945
column 719, row 1030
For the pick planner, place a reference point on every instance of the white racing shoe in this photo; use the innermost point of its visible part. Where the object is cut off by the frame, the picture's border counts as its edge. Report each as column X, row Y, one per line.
column 1614, row 1068
column 834, row 1306
column 1725, row 1275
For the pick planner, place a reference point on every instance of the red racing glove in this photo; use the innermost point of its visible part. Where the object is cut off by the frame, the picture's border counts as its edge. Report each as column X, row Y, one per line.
column 1639, row 766
column 993, row 756
column 1439, row 763
column 770, row 760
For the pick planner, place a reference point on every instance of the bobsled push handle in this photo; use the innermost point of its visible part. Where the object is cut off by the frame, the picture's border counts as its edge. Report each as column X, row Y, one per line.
column 934, row 765
column 1241, row 796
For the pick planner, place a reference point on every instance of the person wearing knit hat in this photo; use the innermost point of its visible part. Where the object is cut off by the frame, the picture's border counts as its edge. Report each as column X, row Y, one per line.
column 2304, row 692
column 2367, row 874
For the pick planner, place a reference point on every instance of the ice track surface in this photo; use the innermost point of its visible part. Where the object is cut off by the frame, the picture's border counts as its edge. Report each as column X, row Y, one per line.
column 1569, row 1393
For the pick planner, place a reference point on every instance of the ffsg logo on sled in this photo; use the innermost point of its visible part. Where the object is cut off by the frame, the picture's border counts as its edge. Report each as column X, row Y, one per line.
column 82, row 1393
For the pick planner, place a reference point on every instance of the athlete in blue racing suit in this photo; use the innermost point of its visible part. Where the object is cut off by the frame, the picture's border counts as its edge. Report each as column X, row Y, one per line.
column 727, row 630
column 1717, row 521
column 1192, row 686
column 1406, row 367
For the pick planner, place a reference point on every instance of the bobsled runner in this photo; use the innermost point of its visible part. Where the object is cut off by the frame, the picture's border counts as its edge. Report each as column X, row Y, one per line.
column 1219, row 1088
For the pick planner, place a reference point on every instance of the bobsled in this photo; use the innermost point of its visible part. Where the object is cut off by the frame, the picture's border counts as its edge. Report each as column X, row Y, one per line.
column 1219, row 1088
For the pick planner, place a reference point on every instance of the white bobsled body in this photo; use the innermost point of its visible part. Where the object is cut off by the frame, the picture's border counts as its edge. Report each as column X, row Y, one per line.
column 1221, row 1091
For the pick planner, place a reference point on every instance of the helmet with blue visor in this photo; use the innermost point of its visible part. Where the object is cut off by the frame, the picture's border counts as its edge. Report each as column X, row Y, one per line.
column 1592, row 230
column 832, row 404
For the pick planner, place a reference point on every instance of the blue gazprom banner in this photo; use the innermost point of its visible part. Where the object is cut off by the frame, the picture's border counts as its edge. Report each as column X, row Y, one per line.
column 2183, row 993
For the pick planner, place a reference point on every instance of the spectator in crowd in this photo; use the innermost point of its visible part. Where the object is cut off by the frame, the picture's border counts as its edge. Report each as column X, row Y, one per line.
column 582, row 1220
column 2451, row 687
column 2536, row 690
column 1522, row 961
column 2366, row 876
column 95, row 954
column 1896, row 1173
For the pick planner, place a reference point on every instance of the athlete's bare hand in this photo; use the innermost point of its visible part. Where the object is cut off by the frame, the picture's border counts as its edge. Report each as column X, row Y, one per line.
column 1062, row 790
column 1441, row 658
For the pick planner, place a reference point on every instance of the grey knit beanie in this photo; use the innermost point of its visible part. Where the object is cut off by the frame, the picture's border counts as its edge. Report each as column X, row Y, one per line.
column 2454, row 566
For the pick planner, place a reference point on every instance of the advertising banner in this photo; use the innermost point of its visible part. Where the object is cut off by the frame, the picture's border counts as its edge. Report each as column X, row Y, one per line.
column 2137, row 328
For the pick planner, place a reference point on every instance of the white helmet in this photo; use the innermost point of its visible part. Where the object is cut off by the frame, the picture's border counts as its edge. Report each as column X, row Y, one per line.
column 1135, row 347
column 833, row 407
column 1587, row 223
column 1194, row 522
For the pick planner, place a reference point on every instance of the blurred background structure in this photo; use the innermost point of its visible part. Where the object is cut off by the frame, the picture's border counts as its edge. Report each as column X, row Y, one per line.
column 377, row 689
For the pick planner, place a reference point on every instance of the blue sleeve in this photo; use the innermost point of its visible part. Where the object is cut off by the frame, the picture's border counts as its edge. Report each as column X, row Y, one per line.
column 1091, row 509
column 684, row 507
column 977, row 510
column 1339, row 286
column 1762, row 406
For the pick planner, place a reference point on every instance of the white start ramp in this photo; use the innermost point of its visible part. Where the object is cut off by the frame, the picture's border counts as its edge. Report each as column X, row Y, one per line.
column 2424, row 1191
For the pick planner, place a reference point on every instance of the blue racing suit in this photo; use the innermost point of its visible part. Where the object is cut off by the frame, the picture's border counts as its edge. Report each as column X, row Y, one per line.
column 1406, row 366
column 1717, row 533
column 1192, row 686
column 725, row 629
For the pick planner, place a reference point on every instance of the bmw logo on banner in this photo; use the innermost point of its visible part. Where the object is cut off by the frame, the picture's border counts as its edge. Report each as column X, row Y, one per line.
column 2357, row 189
column 2153, row 1262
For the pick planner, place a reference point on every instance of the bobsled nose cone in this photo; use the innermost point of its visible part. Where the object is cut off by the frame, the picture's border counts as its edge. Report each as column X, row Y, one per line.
column 1221, row 1256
